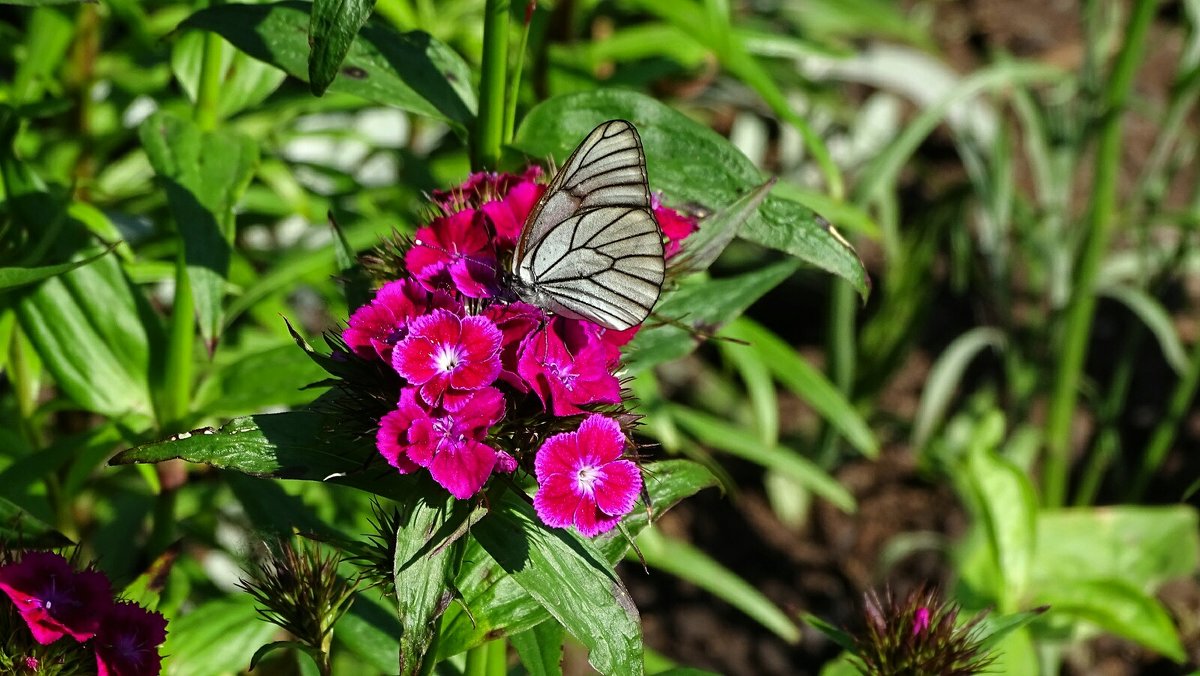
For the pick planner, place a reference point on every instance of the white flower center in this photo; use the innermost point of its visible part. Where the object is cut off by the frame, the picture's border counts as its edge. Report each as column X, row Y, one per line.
column 586, row 478
column 447, row 358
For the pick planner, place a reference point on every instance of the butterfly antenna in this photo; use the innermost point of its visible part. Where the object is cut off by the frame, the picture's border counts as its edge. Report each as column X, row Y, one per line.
column 702, row 332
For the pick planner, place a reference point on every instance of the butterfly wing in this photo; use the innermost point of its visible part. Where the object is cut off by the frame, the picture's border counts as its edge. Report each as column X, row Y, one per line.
column 604, row 265
column 591, row 248
column 607, row 169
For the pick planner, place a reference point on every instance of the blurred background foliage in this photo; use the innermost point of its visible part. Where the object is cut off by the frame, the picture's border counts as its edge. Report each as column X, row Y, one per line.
column 1010, row 413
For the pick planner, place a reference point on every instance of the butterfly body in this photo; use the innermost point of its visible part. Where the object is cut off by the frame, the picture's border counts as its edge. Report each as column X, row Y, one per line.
column 591, row 248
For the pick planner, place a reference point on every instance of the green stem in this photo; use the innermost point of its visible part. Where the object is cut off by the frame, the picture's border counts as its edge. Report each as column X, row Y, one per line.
column 1108, row 441
column 1100, row 219
column 1164, row 433
column 209, row 94
column 477, row 660
column 514, row 82
column 497, row 658
column 489, row 129
column 840, row 346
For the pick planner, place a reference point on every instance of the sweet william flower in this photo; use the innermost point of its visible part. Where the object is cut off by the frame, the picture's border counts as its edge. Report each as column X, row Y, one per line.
column 128, row 640
column 515, row 321
column 565, row 380
column 675, row 226
column 446, row 352
column 375, row 328
column 53, row 598
column 505, row 199
column 583, row 482
column 455, row 252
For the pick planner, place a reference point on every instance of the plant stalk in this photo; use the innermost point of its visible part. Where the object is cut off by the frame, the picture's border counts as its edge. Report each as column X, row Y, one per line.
column 1167, row 428
column 1100, row 220
column 489, row 128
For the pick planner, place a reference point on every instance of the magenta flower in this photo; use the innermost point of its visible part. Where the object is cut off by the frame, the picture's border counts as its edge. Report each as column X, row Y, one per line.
column 392, row 440
column 450, row 443
column 508, row 213
column 454, row 252
column 53, row 598
column 674, row 225
column 377, row 326
column 444, row 351
column 515, row 321
column 582, row 480
column 564, row 380
column 128, row 640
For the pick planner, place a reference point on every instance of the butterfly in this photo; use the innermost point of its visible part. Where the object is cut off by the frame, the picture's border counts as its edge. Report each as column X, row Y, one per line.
column 591, row 248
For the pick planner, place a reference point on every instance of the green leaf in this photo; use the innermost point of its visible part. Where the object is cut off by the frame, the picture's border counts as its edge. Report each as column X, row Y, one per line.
column 411, row 71
column 276, row 376
column 90, row 328
column 945, row 376
column 220, row 636
column 372, row 631
column 11, row 278
column 701, row 249
column 1119, row 607
column 667, row 482
column 685, row 561
column 1007, row 510
column 246, row 82
column 717, row 433
column 429, row 519
column 1155, row 317
column 690, row 162
column 42, row 3
column 282, row 645
column 704, row 306
column 541, row 649
column 331, row 33
column 993, row 628
column 17, row 527
column 204, row 175
column 797, row 375
column 1143, row 545
column 570, row 579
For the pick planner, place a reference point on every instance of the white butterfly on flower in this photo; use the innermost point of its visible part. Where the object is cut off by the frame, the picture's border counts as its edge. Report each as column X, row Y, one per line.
column 591, row 248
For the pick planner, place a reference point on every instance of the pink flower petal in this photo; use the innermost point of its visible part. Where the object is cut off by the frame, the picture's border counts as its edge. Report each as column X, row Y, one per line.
column 127, row 644
column 600, row 440
column 555, row 502
column 462, row 469
column 53, row 598
column 618, row 488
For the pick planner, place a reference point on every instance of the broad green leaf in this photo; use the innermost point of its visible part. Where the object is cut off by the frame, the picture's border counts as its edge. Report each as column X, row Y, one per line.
column 797, row 375
column 685, row 561
column 371, row 630
column 541, row 649
column 246, row 82
column 332, row 29
column 204, row 175
column 704, row 306
column 667, row 482
column 1007, row 509
column 424, row 567
column 689, row 161
column 40, row 3
column 1119, row 607
column 993, row 628
column 411, row 71
column 17, row 527
column 570, row 579
column 90, row 328
column 219, row 637
column 701, row 248
column 712, row 431
column 256, row 380
column 1144, row 546
column 11, row 278
column 945, row 376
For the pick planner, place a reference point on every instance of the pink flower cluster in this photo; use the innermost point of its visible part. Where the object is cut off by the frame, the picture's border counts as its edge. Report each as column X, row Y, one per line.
column 55, row 600
column 469, row 361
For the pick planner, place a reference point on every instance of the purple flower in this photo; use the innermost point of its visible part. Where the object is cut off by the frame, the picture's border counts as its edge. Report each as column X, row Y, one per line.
column 444, row 351
column 128, row 640
column 53, row 598
column 376, row 327
column 515, row 321
column 565, row 380
column 582, row 480
column 455, row 252
column 448, row 442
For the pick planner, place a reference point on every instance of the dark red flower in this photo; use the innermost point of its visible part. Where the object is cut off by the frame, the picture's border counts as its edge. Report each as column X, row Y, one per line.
column 377, row 326
column 128, row 640
column 53, row 598
column 582, row 480
column 515, row 321
column 444, row 351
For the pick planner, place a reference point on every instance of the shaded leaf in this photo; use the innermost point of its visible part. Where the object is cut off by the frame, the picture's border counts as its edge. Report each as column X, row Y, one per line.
column 17, row 527
column 14, row 277
column 331, row 32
